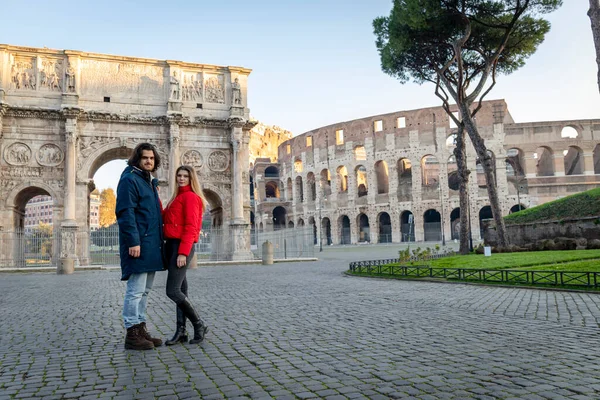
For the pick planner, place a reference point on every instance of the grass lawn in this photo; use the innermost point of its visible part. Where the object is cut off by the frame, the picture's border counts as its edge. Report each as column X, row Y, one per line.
column 588, row 260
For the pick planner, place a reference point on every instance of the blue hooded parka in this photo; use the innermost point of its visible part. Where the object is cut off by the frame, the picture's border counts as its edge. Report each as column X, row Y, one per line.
column 139, row 215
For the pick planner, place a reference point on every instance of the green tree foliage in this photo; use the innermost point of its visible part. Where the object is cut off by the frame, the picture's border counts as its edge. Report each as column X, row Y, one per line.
column 108, row 203
column 461, row 46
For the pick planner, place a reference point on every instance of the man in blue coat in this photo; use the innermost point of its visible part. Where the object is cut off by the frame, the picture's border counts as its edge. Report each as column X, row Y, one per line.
column 139, row 215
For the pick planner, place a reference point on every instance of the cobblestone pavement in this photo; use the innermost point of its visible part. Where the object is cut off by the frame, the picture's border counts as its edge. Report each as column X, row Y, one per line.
column 300, row 330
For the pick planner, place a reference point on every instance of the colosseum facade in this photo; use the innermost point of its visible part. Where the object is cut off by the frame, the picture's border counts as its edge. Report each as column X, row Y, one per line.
column 391, row 177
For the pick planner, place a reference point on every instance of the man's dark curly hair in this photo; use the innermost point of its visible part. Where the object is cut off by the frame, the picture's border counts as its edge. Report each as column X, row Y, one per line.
column 134, row 160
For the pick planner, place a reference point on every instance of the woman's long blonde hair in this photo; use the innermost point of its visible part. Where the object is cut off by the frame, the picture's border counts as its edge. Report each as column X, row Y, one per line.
column 194, row 184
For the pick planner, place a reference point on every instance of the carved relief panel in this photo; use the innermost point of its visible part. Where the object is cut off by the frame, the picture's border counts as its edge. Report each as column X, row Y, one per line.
column 17, row 154
column 214, row 88
column 218, row 161
column 50, row 155
column 51, row 75
column 192, row 87
column 192, row 158
column 22, row 73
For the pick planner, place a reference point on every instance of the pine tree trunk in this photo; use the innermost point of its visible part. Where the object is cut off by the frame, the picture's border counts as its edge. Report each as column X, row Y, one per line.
column 463, row 177
column 594, row 14
column 488, row 169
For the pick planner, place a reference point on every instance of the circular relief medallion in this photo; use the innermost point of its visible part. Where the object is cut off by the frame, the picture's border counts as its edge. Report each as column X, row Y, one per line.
column 50, row 155
column 17, row 154
column 218, row 161
column 192, row 158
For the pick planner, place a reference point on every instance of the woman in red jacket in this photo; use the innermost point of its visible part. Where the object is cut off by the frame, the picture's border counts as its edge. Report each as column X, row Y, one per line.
column 182, row 219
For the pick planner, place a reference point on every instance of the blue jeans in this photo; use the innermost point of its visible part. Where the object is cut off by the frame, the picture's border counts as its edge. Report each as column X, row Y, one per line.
column 136, row 298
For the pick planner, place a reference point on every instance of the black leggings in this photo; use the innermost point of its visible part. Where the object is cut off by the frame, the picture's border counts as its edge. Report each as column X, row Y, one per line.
column 177, row 287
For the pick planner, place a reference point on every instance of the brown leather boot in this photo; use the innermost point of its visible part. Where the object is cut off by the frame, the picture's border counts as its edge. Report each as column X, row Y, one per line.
column 155, row 341
column 135, row 339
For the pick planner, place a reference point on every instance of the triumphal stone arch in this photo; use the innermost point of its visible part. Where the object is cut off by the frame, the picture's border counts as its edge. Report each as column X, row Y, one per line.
column 63, row 114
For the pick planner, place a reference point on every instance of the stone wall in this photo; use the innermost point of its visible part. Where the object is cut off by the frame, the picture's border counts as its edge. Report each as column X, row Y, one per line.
column 520, row 235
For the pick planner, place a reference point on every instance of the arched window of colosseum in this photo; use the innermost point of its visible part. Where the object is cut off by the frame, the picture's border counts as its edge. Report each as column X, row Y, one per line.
column 378, row 126
column 515, row 165
column 516, row 208
column 339, row 137
column 451, row 140
column 453, row 180
column 481, row 182
column 404, row 179
column 455, row 223
column 271, row 172
column 325, row 183
column 407, row 226
column 544, row 161
column 360, row 154
column 289, row 191
column 309, row 141
column 311, row 222
column 342, row 175
column 568, row 132
column 300, row 189
column 311, row 187
column 401, row 122
column 385, row 228
column 290, row 224
column 326, row 231
column 271, row 190
column 432, row 226
column 361, row 181
column 485, row 214
column 300, row 222
column 430, row 171
column 382, row 173
column 279, row 217
column 363, row 228
column 344, row 226
column 573, row 161
column 298, row 165
column 597, row 159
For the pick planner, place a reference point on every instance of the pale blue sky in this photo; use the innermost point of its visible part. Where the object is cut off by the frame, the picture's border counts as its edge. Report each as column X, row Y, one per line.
column 314, row 62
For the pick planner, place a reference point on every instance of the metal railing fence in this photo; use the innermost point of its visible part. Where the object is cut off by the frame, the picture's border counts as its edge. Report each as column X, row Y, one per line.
column 551, row 278
column 41, row 247
column 287, row 243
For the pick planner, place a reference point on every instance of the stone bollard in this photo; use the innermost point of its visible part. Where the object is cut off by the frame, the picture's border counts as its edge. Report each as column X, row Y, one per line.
column 194, row 261
column 267, row 253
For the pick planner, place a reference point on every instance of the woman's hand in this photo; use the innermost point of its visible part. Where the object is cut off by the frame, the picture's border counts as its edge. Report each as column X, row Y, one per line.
column 181, row 261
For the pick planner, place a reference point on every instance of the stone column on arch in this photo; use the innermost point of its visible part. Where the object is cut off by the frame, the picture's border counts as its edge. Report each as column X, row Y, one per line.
column 68, row 227
column 239, row 228
column 174, row 151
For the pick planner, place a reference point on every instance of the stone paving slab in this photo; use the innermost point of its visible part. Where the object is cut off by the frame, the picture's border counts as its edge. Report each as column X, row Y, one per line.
column 299, row 331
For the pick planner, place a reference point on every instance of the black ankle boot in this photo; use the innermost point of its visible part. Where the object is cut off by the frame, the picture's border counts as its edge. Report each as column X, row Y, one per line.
column 180, row 333
column 200, row 327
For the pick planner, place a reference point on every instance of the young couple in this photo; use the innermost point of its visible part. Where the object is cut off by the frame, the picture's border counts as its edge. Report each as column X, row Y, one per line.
column 152, row 239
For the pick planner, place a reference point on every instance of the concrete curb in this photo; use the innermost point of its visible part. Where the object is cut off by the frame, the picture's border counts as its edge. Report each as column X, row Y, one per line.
column 118, row 268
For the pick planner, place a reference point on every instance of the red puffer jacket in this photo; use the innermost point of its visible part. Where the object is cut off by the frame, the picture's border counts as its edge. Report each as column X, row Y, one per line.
column 182, row 219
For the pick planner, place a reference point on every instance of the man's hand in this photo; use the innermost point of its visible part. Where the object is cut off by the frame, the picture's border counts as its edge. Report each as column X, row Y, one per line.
column 181, row 260
column 134, row 251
